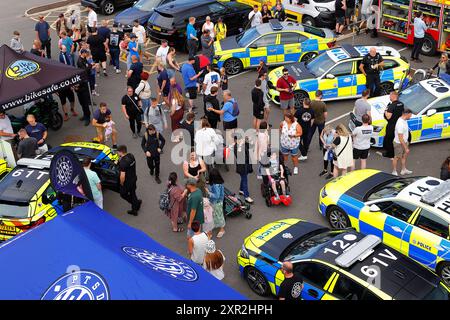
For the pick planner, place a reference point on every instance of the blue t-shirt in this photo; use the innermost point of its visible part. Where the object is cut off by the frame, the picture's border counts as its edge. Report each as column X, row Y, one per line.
column 187, row 71
column 161, row 77
column 36, row 131
column 132, row 45
column 68, row 43
column 190, row 31
column 228, row 108
column 104, row 32
column 42, row 29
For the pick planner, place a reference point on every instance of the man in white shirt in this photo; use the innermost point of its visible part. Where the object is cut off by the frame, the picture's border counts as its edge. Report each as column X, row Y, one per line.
column 361, row 141
column 420, row 28
column 212, row 78
column 92, row 19
column 255, row 17
column 161, row 53
column 139, row 31
column 6, row 130
column 401, row 145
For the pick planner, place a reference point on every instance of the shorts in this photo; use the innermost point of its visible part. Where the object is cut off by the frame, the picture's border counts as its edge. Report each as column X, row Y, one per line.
column 292, row 152
column 165, row 93
column 284, row 104
column 141, row 47
column 399, row 152
column 258, row 113
column 99, row 57
column 360, row 154
column 349, row 12
column 340, row 20
column 66, row 94
column 230, row 125
column 192, row 92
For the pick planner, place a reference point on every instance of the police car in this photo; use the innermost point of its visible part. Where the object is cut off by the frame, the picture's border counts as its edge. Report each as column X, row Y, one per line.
column 274, row 42
column 4, row 169
column 336, row 73
column 429, row 101
column 411, row 215
column 335, row 264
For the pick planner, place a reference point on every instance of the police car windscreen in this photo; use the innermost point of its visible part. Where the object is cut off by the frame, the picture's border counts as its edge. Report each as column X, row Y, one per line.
column 146, row 5
column 246, row 37
column 391, row 189
column 416, row 98
column 319, row 65
column 80, row 152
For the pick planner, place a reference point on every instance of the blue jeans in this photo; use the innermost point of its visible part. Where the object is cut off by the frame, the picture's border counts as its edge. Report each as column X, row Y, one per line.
column 115, row 52
column 145, row 104
column 244, row 185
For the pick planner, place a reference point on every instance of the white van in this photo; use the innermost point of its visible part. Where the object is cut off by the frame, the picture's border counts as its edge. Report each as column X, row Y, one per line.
column 319, row 13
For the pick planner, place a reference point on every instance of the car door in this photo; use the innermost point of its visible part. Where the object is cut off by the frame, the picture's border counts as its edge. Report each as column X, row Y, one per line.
column 291, row 47
column 436, row 120
column 265, row 47
column 344, row 288
column 428, row 238
column 338, row 82
column 396, row 227
column 316, row 277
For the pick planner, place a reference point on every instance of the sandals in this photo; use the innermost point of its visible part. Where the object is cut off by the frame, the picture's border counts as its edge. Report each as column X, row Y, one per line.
column 179, row 229
column 220, row 234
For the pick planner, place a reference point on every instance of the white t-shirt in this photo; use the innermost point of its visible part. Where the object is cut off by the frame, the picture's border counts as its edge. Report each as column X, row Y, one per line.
column 206, row 141
column 199, row 248
column 257, row 18
column 401, row 127
column 209, row 27
column 211, row 79
column 139, row 31
column 161, row 54
column 361, row 137
column 5, row 126
column 92, row 17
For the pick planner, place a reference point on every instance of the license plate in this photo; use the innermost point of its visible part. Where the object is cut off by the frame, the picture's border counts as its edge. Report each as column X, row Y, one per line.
column 156, row 28
column 7, row 228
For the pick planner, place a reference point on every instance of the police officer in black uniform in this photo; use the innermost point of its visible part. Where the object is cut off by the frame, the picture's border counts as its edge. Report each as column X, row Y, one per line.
column 82, row 89
column 370, row 66
column 393, row 111
column 128, row 179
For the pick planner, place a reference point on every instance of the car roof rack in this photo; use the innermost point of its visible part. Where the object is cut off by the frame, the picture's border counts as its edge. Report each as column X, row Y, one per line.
column 34, row 163
column 275, row 25
column 350, row 49
column 358, row 252
column 433, row 196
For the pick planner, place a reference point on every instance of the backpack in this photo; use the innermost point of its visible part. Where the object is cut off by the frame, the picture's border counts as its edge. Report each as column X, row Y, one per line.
column 235, row 111
column 164, row 200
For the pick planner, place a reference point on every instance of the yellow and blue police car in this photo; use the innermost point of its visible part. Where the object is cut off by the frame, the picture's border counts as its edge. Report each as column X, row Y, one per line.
column 4, row 169
column 336, row 73
column 334, row 264
column 410, row 214
column 275, row 43
column 429, row 101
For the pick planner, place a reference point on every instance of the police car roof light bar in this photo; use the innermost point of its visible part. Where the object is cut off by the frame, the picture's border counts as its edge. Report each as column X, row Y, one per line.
column 34, row 163
column 275, row 24
column 433, row 196
column 358, row 252
column 350, row 49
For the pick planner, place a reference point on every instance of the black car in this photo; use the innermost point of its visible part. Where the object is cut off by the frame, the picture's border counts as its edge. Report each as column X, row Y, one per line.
column 107, row 7
column 170, row 21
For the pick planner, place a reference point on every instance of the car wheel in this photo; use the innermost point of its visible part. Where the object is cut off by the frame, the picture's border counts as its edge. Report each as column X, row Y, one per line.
column 299, row 95
column 308, row 56
column 233, row 66
column 443, row 270
column 337, row 218
column 386, row 88
column 108, row 8
column 257, row 282
column 429, row 46
column 309, row 21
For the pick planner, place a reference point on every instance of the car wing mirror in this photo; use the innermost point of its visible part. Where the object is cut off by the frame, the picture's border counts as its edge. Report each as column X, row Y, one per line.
column 396, row 86
column 45, row 199
column 374, row 208
column 431, row 112
column 330, row 76
column 253, row 46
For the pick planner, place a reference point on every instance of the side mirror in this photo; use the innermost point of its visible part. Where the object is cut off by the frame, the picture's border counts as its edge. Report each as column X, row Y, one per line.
column 45, row 199
column 396, row 86
column 374, row 208
column 431, row 112
column 253, row 46
column 330, row 76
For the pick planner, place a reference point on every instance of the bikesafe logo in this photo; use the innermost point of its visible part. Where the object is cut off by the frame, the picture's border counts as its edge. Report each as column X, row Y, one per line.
column 21, row 69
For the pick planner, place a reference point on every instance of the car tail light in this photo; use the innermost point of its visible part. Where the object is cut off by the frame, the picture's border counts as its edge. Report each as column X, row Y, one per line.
column 331, row 44
column 31, row 224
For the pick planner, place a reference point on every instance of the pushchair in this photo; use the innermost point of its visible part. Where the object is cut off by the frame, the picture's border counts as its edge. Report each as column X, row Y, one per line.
column 269, row 195
column 233, row 205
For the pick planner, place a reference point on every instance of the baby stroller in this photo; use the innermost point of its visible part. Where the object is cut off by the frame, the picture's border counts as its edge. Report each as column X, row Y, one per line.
column 234, row 205
column 268, row 194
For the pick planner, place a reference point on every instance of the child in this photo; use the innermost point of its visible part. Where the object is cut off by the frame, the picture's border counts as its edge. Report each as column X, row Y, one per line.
column 327, row 137
column 274, row 174
column 16, row 43
column 124, row 49
column 223, row 79
column 109, row 127
column 262, row 142
column 92, row 75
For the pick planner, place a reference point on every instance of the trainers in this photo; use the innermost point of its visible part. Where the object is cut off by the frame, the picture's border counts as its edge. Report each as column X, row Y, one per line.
column 118, row 71
column 303, row 158
column 104, row 73
column 135, row 136
column 139, row 134
column 395, row 173
column 249, row 200
column 241, row 192
column 87, row 122
column 259, row 177
column 329, row 176
column 152, row 172
column 132, row 212
column 405, row 171
column 295, row 171
column 66, row 117
column 158, row 180
column 324, row 172
column 74, row 113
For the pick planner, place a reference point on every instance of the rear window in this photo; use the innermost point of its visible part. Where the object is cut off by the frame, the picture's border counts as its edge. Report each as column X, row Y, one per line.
column 161, row 19
column 14, row 210
column 315, row 31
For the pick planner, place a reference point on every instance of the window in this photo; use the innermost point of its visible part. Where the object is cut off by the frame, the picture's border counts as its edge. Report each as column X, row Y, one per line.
column 314, row 273
column 342, row 69
column 267, row 40
column 389, row 64
column 369, row 295
column 397, row 209
column 416, row 98
column 442, row 105
column 348, row 289
column 216, row 7
column 391, row 189
column 291, row 38
column 431, row 223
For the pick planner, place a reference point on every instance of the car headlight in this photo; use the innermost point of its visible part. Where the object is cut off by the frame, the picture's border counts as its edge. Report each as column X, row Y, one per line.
column 322, row 9
column 377, row 128
column 244, row 252
column 324, row 193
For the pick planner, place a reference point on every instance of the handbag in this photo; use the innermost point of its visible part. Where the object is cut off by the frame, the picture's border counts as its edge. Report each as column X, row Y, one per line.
column 335, row 157
column 139, row 109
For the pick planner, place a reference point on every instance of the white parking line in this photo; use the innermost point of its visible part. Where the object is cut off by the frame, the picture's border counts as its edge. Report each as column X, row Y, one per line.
column 239, row 74
column 338, row 118
column 402, row 49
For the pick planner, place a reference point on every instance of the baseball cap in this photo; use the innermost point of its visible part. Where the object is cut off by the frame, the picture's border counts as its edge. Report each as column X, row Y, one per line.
column 210, row 246
column 132, row 35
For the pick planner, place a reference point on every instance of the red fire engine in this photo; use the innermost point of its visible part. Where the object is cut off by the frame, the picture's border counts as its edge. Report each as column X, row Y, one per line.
column 396, row 21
